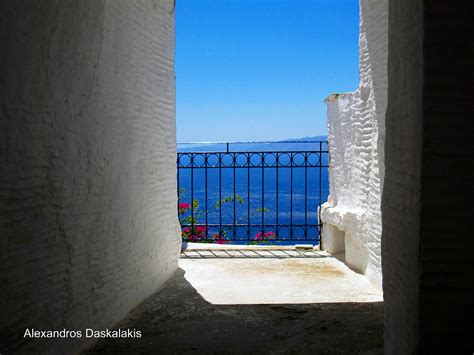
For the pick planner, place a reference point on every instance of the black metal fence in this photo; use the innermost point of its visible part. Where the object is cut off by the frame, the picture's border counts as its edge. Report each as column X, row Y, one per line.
column 254, row 194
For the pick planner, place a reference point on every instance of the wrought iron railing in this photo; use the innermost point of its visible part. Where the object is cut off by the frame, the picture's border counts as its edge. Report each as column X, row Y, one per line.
column 252, row 194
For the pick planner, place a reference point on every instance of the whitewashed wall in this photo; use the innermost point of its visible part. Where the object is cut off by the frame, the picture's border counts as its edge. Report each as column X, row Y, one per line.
column 88, row 185
column 356, row 124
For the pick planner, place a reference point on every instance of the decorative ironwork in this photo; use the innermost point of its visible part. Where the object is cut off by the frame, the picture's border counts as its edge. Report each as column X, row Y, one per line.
column 243, row 180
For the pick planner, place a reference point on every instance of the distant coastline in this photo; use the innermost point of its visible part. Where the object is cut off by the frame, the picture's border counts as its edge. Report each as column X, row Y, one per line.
column 287, row 144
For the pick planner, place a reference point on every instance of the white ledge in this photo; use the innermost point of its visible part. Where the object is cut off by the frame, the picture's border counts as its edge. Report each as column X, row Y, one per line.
column 335, row 97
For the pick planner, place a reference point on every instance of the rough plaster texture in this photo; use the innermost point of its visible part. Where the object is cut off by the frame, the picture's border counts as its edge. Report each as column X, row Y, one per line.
column 427, row 215
column 356, row 124
column 88, row 186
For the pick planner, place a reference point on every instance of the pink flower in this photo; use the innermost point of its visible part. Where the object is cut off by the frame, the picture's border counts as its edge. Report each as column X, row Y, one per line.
column 261, row 236
column 183, row 207
column 269, row 235
column 221, row 241
column 258, row 236
column 201, row 229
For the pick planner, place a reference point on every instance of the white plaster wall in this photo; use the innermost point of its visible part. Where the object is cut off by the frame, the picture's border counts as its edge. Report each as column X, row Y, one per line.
column 88, row 185
column 356, row 125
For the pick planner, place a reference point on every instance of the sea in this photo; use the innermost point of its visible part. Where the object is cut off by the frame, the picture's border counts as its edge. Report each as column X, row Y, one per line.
column 257, row 202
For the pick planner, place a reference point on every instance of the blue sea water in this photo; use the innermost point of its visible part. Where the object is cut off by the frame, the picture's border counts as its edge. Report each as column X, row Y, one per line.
column 297, row 202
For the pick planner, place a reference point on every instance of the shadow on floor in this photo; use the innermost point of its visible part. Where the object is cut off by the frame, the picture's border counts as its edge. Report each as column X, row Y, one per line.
column 177, row 320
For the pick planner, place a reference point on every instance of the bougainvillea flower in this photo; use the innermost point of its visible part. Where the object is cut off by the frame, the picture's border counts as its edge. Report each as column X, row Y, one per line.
column 201, row 229
column 258, row 236
column 183, row 207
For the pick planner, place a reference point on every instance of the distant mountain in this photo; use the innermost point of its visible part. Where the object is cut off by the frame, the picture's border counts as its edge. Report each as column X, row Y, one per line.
column 297, row 144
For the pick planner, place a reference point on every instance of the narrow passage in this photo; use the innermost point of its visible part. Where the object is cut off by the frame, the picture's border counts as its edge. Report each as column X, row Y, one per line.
column 256, row 304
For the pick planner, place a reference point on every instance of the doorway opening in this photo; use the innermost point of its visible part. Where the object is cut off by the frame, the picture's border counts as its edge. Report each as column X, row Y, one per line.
column 253, row 156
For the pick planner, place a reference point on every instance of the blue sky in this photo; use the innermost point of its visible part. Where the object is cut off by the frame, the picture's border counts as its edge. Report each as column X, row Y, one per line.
column 260, row 70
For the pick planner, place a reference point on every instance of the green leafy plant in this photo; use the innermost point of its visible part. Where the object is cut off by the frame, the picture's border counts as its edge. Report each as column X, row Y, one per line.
column 192, row 230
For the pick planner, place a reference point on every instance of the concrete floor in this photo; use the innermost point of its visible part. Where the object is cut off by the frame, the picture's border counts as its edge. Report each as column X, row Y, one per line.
column 262, row 306
column 277, row 281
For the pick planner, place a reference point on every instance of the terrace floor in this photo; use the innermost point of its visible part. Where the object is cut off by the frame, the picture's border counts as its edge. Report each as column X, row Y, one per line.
column 304, row 302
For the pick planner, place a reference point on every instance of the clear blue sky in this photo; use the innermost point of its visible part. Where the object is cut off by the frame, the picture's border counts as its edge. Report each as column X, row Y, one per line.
column 260, row 69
